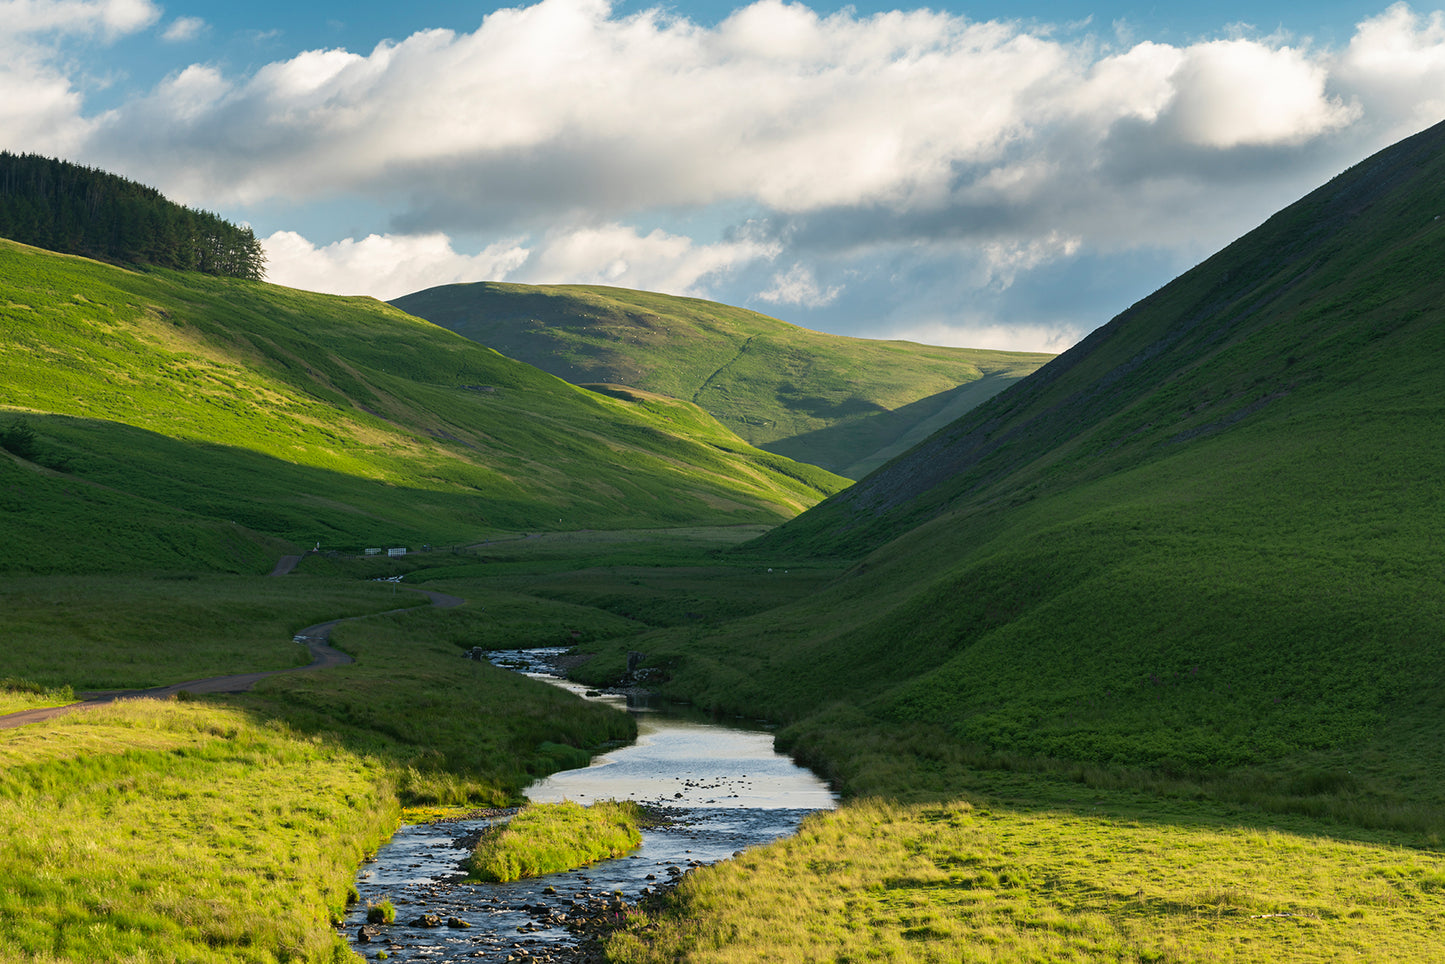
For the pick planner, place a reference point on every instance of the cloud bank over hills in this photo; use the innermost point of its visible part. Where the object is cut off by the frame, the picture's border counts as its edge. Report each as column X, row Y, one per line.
column 894, row 174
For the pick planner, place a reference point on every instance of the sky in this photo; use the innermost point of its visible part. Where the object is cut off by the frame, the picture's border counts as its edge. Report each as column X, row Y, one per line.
column 991, row 175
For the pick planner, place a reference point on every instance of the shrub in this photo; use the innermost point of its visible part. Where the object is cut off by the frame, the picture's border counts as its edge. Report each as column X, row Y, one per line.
column 382, row 913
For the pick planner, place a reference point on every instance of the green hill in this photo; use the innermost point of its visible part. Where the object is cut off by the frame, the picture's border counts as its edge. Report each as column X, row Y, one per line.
column 1203, row 544
column 846, row 404
column 177, row 420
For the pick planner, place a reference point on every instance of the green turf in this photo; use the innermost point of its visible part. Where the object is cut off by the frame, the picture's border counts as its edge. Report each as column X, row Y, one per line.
column 548, row 838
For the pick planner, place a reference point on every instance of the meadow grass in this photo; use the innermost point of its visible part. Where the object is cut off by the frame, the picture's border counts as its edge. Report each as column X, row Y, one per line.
column 1144, row 651
column 989, row 881
column 981, row 855
column 593, row 587
column 456, row 731
column 128, row 632
column 171, row 421
column 22, row 694
column 548, row 838
column 150, row 830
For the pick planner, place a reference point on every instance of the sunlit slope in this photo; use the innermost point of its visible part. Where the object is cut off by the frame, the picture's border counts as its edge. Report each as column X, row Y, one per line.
column 1208, row 537
column 301, row 417
column 847, row 404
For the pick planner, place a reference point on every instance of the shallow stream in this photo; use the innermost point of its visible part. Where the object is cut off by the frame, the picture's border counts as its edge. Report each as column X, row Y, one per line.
column 725, row 787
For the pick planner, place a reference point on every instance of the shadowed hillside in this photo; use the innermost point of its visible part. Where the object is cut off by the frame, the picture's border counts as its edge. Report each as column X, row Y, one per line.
column 846, row 404
column 1204, row 542
column 177, row 420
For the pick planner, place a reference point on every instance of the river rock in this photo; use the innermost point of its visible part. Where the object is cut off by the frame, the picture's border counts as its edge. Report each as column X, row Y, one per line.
column 426, row 920
column 367, row 933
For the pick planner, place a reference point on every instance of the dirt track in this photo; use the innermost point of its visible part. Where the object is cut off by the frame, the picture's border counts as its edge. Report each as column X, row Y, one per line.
column 316, row 638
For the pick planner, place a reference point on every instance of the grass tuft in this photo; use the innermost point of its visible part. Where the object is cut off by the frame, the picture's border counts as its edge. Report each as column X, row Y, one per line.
column 548, row 838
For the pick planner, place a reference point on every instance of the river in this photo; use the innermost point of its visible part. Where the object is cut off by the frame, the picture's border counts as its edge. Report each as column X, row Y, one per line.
column 724, row 786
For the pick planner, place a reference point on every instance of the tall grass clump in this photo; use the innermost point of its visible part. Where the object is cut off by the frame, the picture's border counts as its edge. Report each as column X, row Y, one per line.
column 547, row 838
column 23, row 694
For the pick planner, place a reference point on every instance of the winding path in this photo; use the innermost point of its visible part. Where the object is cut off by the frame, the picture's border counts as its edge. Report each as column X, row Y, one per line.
column 317, row 640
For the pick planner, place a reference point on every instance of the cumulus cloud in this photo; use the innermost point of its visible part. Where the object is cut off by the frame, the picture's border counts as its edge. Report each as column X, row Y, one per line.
column 41, row 107
column 110, row 18
column 1003, row 261
column 994, row 335
column 384, row 266
column 1006, row 145
column 1394, row 67
column 621, row 255
column 389, row 266
column 797, row 286
column 183, row 29
column 918, row 124
column 1233, row 92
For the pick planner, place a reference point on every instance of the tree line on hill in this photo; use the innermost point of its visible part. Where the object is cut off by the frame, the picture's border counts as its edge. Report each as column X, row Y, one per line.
column 54, row 204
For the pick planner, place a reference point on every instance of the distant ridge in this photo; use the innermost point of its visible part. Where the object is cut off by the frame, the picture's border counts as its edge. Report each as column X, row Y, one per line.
column 845, row 404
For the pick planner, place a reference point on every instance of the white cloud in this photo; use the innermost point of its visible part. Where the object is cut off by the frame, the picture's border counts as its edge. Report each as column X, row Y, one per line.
column 388, row 266
column 797, row 286
column 184, row 29
column 1006, row 146
column 1395, row 68
column 991, row 335
column 1229, row 93
column 617, row 254
column 111, row 18
column 561, row 107
column 383, row 266
column 1004, row 261
column 41, row 107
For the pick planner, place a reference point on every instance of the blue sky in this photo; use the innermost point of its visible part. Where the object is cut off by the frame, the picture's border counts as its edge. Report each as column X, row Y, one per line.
column 985, row 174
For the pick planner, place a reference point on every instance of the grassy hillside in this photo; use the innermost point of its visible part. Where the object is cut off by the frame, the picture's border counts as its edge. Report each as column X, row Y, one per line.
column 1143, row 655
column 1203, row 545
column 182, row 421
column 847, row 404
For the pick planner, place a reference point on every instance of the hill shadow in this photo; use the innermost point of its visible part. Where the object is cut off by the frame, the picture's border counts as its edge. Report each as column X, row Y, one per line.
column 861, row 444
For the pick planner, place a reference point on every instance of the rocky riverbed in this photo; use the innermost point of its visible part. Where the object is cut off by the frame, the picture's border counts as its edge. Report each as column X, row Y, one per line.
column 719, row 789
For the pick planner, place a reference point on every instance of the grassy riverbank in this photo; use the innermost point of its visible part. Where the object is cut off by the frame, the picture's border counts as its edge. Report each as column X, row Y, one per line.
column 180, row 831
column 975, row 858
column 230, row 829
column 1100, row 880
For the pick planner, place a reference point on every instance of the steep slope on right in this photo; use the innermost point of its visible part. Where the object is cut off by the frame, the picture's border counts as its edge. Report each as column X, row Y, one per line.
column 1206, row 540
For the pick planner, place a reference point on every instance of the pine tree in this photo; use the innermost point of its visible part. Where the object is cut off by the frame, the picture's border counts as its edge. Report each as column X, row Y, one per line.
column 50, row 203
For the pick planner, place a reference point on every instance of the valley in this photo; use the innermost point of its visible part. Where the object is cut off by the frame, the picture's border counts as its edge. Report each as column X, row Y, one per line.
column 1137, row 659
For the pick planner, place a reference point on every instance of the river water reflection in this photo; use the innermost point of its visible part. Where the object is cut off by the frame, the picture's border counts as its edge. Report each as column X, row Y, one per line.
column 725, row 785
